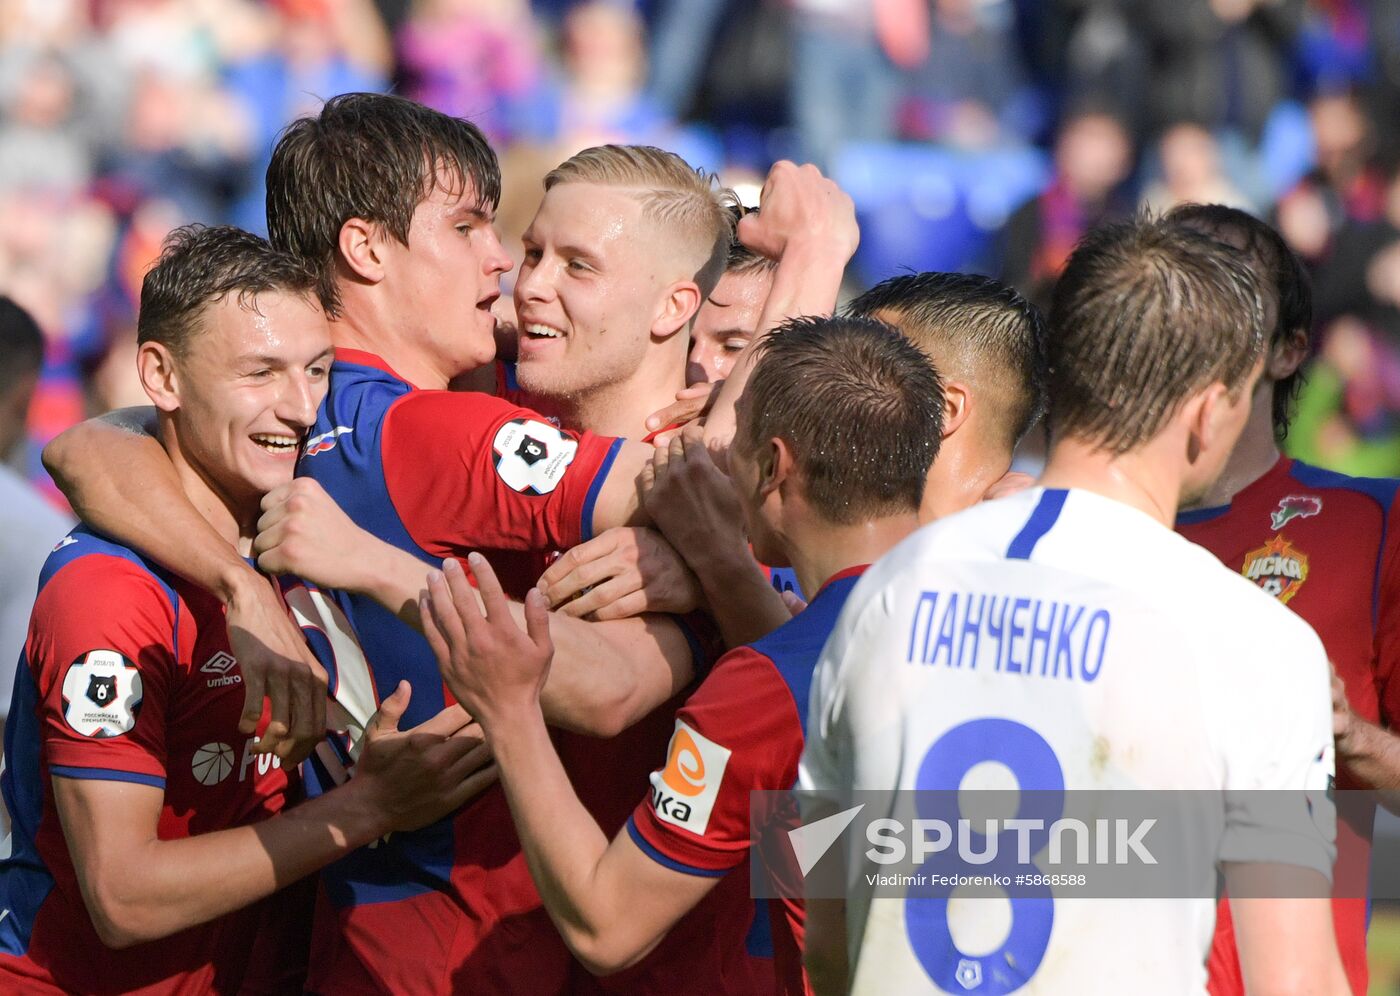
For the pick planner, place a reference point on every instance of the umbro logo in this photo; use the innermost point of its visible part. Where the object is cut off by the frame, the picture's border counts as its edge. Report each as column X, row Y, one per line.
column 221, row 664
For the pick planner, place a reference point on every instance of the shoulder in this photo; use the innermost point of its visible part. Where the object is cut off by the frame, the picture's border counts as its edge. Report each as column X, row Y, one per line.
column 95, row 569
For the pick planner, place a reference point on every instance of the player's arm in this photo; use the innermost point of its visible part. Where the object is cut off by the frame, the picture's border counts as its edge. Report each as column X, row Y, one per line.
column 611, row 903
column 1286, row 946
column 1278, row 847
column 692, row 501
column 1371, row 753
column 140, row 888
column 121, row 482
column 808, row 224
column 607, row 675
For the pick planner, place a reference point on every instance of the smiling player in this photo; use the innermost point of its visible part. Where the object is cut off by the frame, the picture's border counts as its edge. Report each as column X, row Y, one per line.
column 140, row 811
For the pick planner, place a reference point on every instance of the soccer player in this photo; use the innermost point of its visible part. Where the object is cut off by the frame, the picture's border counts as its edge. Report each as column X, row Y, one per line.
column 146, row 830
column 987, row 343
column 1328, row 547
column 825, row 393
column 1069, row 635
column 729, row 317
column 391, row 202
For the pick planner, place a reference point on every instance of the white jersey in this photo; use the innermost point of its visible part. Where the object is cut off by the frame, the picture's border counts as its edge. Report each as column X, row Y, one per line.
column 1120, row 656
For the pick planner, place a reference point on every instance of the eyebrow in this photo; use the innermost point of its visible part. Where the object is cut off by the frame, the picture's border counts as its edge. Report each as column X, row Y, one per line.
column 579, row 251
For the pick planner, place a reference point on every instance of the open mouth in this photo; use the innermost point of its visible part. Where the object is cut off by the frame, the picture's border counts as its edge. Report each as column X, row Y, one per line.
column 277, row 443
column 488, row 302
column 535, row 330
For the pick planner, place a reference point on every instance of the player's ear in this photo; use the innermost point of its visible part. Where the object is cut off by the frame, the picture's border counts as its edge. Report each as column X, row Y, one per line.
column 156, row 366
column 775, row 466
column 1287, row 355
column 957, row 406
column 359, row 249
column 1206, row 416
column 676, row 309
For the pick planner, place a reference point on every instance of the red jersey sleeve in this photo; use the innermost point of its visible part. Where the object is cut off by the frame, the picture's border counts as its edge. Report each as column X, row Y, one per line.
column 466, row 471
column 101, row 650
column 1387, row 607
column 740, row 732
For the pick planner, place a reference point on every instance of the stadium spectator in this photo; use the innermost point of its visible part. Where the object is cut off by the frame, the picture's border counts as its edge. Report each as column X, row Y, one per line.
column 1093, row 159
column 1192, row 171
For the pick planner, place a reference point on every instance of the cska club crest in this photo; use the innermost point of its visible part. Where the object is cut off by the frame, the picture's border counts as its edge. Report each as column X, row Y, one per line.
column 1278, row 567
column 1294, row 507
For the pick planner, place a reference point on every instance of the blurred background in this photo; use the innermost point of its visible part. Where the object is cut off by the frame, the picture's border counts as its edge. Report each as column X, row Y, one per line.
column 982, row 135
column 973, row 134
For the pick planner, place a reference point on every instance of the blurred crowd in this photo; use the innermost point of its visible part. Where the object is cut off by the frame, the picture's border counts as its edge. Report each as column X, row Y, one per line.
column 981, row 135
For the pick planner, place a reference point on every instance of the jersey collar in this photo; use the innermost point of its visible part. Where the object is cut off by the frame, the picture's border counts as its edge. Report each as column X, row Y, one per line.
column 1264, row 480
column 359, row 357
column 841, row 575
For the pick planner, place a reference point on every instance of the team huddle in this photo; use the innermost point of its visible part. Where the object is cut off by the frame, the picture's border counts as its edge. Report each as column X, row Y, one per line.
column 403, row 651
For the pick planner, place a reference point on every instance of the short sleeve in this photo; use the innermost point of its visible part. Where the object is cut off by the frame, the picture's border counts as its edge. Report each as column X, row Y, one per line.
column 101, row 651
column 739, row 733
column 1386, row 648
column 1279, row 756
column 466, row 471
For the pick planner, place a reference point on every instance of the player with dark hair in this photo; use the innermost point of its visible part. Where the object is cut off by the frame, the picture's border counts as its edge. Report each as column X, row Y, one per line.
column 436, row 474
column 988, row 344
column 140, row 812
column 1328, row 547
column 729, row 317
column 825, row 395
column 1025, row 631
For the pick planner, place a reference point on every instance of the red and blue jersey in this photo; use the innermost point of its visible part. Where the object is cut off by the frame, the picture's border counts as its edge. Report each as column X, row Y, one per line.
column 1328, row 547
column 450, row 907
column 126, row 676
column 742, row 731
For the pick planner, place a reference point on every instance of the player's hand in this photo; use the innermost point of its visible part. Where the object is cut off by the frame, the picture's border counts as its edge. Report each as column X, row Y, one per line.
column 624, row 571
column 1343, row 719
column 277, row 665
column 491, row 666
column 1010, row 483
column 418, row 776
column 793, row 602
column 303, row 531
column 690, row 499
column 691, row 403
column 798, row 204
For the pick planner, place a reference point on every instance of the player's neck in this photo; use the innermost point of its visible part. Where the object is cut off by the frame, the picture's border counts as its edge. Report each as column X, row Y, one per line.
column 234, row 518
column 1145, row 478
column 819, row 549
column 357, row 331
column 621, row 408
column 1253, row 456
column 959, row 477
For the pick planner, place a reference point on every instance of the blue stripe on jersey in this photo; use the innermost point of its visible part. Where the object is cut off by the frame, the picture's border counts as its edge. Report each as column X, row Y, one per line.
column 1195, row 516
column 352, row 472
column 1046, row 512
column 591, row 497
column 25, row 881
column 795, row 646
column 759, row 941
column 106, row 775
column 667, row 862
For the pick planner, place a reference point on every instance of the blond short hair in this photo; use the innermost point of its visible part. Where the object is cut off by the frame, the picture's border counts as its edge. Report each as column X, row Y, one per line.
column 689, row 203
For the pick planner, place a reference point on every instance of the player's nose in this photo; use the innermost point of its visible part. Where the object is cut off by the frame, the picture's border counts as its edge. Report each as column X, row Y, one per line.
column 300, row 401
